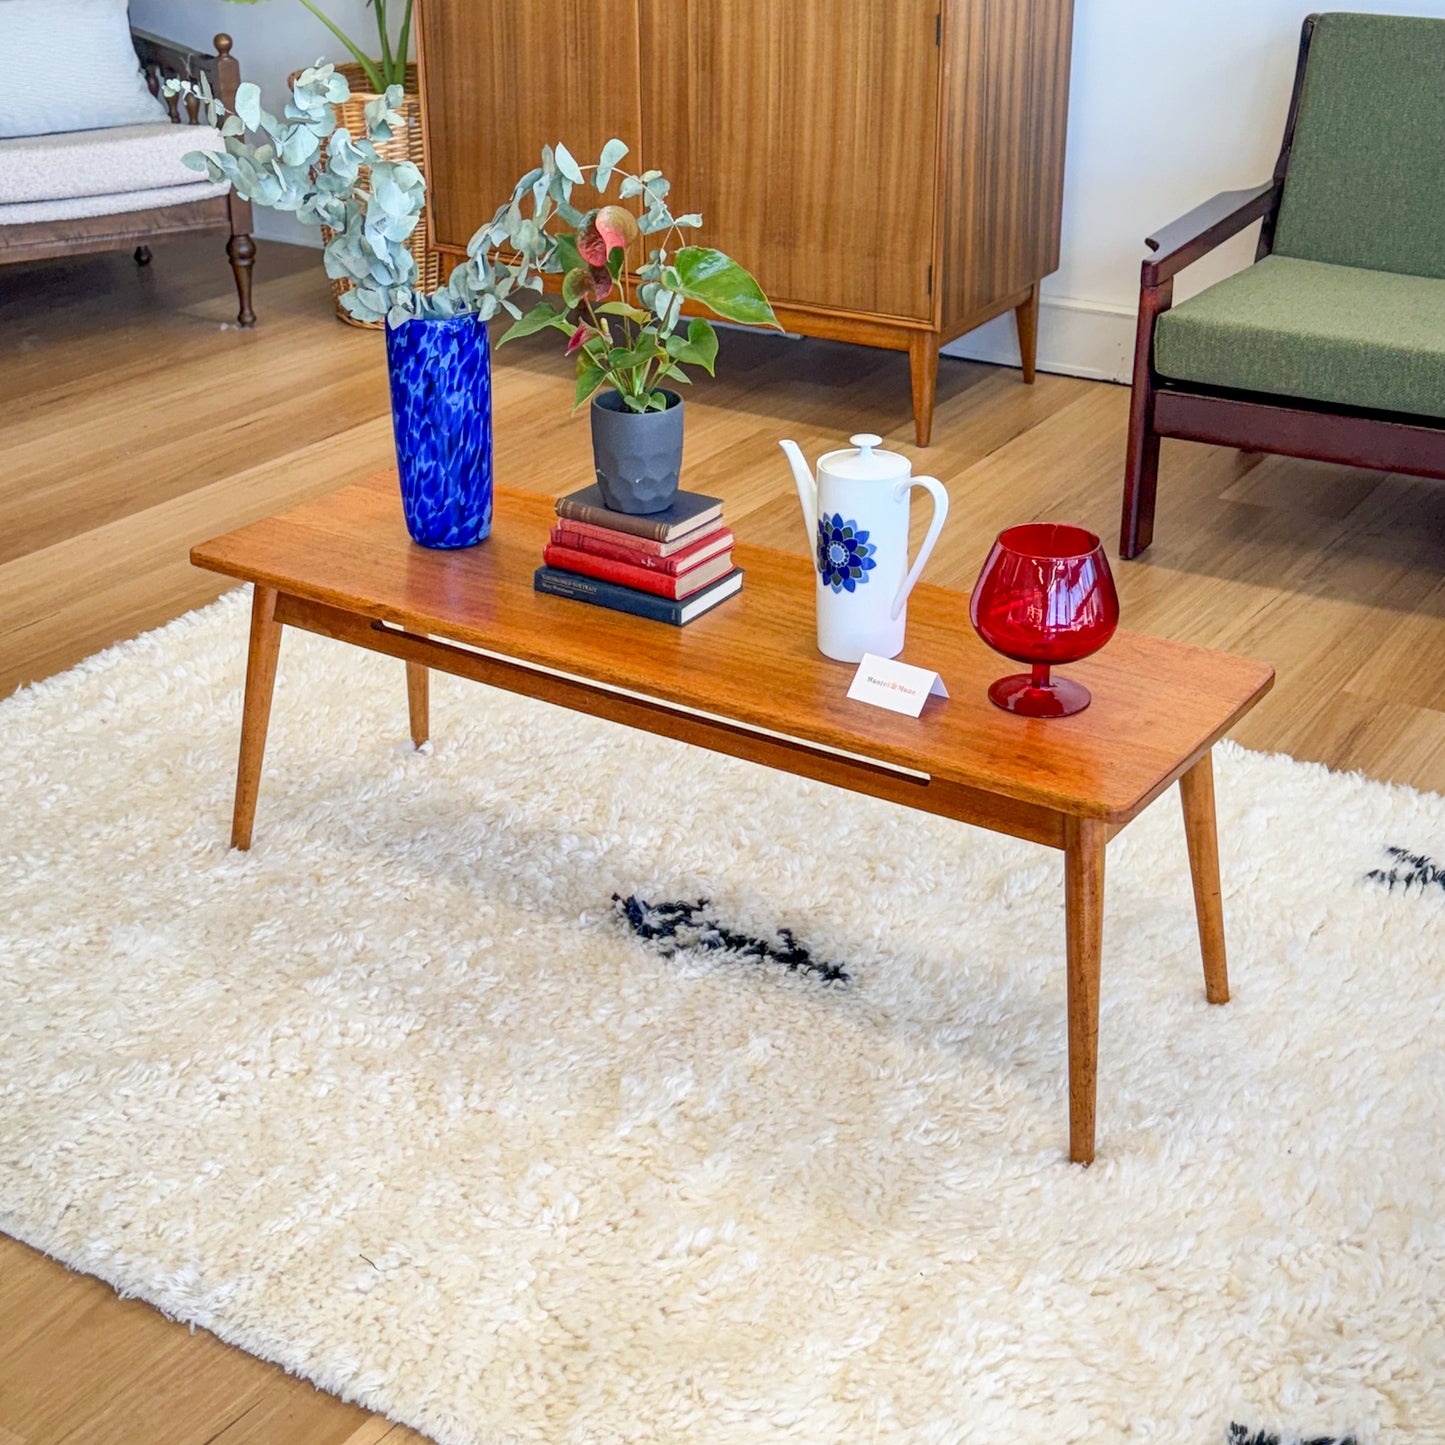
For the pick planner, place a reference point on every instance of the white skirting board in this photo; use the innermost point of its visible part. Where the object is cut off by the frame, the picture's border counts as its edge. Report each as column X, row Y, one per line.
column 1076, row 338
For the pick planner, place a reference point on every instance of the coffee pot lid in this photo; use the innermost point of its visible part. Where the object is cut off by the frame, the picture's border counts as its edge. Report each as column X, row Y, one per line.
column 863, row 460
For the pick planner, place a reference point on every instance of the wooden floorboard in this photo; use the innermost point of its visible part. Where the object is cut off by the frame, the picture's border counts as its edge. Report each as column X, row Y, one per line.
column 136, row 420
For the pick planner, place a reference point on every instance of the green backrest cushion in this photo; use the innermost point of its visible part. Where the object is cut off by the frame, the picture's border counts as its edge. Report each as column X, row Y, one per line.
column 1366, row 179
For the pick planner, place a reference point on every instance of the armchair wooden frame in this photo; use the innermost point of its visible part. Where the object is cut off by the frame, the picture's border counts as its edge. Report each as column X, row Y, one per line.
column 161, row 60
column 1161, row 407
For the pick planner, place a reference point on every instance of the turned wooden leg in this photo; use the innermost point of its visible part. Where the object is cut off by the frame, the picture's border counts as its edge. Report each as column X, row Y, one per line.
column 1196, row 792
column 1026, row 316
column 1084, row 909
column 256, row 712
column 923, row 372
column 418, row 701
column 242, row 251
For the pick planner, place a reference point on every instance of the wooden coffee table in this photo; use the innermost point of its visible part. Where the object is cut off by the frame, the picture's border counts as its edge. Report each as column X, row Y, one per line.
column 746, row 679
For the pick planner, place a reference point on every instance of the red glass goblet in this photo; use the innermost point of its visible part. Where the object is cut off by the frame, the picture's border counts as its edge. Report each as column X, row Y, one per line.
column 1045, row 596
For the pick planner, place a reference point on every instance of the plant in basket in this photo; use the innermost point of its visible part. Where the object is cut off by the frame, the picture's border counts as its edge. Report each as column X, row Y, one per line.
column 436, row 338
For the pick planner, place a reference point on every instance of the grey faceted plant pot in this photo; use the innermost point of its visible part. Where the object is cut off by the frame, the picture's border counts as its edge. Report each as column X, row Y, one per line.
column 637, row 454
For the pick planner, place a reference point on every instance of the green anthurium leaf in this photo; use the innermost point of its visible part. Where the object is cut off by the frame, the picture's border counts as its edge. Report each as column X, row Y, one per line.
column 676, row 373
column 622, row 359
column 590, row 376
column 578, row 285
column 621, row 308
column 543, row 314
column 566, row 255
column 722, row 285
column 700, row 347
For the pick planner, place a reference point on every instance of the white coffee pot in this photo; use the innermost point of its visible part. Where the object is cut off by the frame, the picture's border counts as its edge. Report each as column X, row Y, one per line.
column 857, row 518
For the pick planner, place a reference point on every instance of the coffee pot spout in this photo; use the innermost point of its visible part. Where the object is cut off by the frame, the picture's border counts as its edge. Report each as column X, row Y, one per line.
column 807, row 491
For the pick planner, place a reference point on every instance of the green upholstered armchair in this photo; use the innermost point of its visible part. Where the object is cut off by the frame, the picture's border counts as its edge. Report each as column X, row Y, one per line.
column 1332, row 345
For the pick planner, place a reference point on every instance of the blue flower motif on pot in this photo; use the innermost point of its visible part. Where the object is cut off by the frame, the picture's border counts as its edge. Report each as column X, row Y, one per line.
column 845, row 555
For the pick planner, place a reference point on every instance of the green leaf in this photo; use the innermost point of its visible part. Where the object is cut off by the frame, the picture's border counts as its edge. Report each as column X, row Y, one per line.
column 248, row 103
column 621, row 308
column 620, row 359
column 612, row 152
column 582, row 284
column 543, row 314
column 589, row 377
column 700, row 348
column 722, row 285
column 567, row 256
column 656, row 401
column 567, row 165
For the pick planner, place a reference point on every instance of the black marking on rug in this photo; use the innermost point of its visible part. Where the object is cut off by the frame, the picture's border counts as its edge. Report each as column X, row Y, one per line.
column 1241, row 1435
column 1408, row 870
column 679, row 925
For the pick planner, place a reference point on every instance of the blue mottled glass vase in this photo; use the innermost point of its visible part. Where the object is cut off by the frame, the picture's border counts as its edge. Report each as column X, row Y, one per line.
column 441, row 414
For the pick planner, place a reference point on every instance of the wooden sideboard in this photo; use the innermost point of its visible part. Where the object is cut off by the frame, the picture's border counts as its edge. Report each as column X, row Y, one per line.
column 891, row 170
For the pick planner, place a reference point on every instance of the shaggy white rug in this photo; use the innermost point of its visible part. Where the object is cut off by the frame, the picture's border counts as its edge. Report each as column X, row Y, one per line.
column 398, row 1101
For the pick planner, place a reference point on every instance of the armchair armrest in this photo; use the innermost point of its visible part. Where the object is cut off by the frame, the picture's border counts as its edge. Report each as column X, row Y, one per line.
column 163, row 59
column 1184, row 241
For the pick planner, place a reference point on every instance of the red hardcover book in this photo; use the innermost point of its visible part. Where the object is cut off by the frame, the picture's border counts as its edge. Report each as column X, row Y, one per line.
column 643, row 545
column 644, row 579
column 715, row 544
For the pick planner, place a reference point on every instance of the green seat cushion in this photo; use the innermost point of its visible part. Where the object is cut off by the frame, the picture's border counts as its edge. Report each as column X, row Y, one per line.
column 1366, row 178
column 1334, row 334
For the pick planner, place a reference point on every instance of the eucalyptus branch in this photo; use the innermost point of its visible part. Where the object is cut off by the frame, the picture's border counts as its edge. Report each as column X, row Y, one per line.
column 302, row 162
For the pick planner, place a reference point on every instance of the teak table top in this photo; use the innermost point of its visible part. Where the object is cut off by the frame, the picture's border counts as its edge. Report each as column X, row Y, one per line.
column 1158, row 705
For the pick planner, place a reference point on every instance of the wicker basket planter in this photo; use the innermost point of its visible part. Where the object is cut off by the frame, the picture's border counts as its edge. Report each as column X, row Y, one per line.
column 405, row 146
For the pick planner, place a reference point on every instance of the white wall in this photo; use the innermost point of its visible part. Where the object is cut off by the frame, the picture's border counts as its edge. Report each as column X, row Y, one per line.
column 1171, row 101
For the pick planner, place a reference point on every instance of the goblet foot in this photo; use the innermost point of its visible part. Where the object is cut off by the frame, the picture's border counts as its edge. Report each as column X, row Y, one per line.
column 1057, row 697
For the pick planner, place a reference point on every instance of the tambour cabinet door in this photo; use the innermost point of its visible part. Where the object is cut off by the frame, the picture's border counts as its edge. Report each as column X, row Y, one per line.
column 503, row 78
column 806, row 133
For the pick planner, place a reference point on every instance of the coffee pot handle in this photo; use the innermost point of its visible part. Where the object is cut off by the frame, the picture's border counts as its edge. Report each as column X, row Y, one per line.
column 940, row 515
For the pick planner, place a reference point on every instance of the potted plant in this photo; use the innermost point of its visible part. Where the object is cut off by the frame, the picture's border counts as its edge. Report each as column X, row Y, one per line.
column 387, row 65
column 377, row 64
column 624, row 325
column 436, row 340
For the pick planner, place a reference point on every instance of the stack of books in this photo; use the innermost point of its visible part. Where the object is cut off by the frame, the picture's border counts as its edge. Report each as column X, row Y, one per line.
column 671, row 566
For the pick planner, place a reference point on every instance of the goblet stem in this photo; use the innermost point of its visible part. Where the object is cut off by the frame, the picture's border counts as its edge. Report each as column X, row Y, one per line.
column 1040, row 674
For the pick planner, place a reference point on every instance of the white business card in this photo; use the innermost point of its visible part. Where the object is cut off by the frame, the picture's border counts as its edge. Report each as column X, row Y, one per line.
column 898, row 686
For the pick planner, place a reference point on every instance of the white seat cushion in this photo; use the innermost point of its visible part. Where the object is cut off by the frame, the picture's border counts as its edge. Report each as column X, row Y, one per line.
column 115, row 162
column 74, row 207
column 70, row 65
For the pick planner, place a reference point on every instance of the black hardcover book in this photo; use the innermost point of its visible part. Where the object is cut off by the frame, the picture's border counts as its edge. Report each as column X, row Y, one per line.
column 688, row 512
column 628, row 599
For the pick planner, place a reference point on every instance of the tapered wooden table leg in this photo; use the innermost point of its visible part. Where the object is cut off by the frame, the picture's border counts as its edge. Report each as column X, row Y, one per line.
column 418, row 701
column 256, row 711
column 1196, row 792
column 1084, row 840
